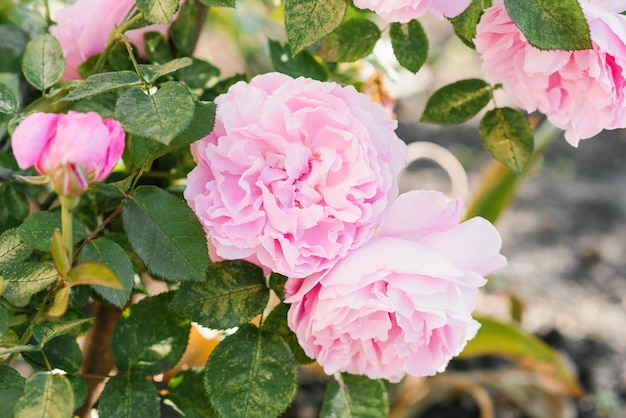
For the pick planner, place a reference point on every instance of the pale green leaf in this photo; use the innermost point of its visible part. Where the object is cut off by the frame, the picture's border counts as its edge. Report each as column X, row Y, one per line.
column 13, row 249
column 46, row 396
column 158, row 11
column 103, row 83
column 43, row 63
column 25, row 279
column 9, row 103
column 350, row 396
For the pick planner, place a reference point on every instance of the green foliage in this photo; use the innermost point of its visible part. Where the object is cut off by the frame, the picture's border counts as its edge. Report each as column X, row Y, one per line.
column 184, row 29
column 4, row 320
column 149, row 338
column 61, row 353
column 45, row 331
column 11, row 389
column 350, row 396
column 165, row 234
column 276, row 322
column 339, row 46
column 186, row 394
column 457, row 102
column 158, row 11
column 26, row 279
column 38, row 228
column 43, row 63
column 251, row 374
column 219, row 3
column 47, row 396
column 232, row 294
column 308, row 21
column 13, row 249
column 302, row 64
column 103, row 83
column 549, row 24
column 465, row 24
column 13, row 206
column 410, row 44
column 131, row 396
column 9, row 102
column 12, row 44
column 506, row 134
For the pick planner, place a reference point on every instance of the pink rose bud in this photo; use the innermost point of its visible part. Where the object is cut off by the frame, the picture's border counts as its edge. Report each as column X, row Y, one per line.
column 295, row 174
column 72, row 149
column 401, row 303
column 581, row 92
column 403, row 11
column 83, row 29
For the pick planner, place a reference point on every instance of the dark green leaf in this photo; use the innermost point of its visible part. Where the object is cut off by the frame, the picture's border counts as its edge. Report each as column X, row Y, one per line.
column 9, row 103
column 157, row 48
column 251, row 374
column 198, row 75
column 38, row 228
column 102, row 104
column 13, row 206
column 149, row 338
column 25, row 279
column 222, row 87
column 277, row 322
column 45, row 331
column 233, row 293
column 506, row 134
column 184, row 29
column 79, row 388
column 61, row 352
column 219, row 3
column 186, row 392
column 118, row 58
column 277, row 284
column 302, row 64
column 410, row 44
column 352, row 40
column 12, row 44
column 549, row 24
column 355, row 397
column 465, row 24
column 47, row 396
column 308, row 21
column 158, row 11
column 160, row 116
column 457, row 102
column 13, row 249
column 154, row 72
column 165, row 234
column 114, row 257
column 43, row 63
column 4, row 320
column 104, row 82
column 116, row 189
column 131, row 396
column 11, row 389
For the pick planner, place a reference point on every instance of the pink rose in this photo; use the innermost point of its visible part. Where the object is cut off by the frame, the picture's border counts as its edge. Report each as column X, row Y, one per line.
column 405, row 10
column 83, row 28
column 401, row 303
column 295, row 174
column 73, row 149
column 581, row 92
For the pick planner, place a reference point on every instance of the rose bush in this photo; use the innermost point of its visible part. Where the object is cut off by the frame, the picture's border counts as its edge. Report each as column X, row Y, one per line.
column 406, row 10
column 581, row 92
column 295, row 173
column 402, row 303
column 83, row 28
column 73, row 149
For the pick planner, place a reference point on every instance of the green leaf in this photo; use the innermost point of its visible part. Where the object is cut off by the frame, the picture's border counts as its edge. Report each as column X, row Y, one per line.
column 43, row 63
column 11, row 389
column 92, row 273
column 149, row 338
column 219, row 3
column 549, row 24
column 47, row 396
column 251, row 374
column 277, row 284
column 340, row 45
column 465, row 24
column 79, row 388
column 61, row 352
column 350, row 396
column 12, row 44
column 38, row 228
column 277, row 322
column 165, row 234
column 511, row 341
column 457, row 102
column 114, row 257
column 154, row 72
column 308, row 21
column 159, row 116
column 302, row 64
column 506, row 134
column 102, row 104
column 4, row 320
column 13, row 206
column 233, row 293
column 25, row 279
column 9, row 103
column 158, row 11
column 186, row 392
column 13, row 249
column 59, row 254
column 131, row 396
column 103, row 83
column 410, row 44
column 157, row 48
column 45, row 331
column 198, row 75
column 184, row 30
column 116, row 189
column 60, row 302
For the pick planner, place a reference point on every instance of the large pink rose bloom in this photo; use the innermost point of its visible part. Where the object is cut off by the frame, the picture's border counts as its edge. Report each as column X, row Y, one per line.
column 402, row 303
column 73, row 149
column 83, row 28
column 405, row 10
column 295, row 174
column 581, row 92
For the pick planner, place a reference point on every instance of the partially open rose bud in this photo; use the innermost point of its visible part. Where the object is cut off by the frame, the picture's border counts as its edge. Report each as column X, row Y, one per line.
column 73, row 150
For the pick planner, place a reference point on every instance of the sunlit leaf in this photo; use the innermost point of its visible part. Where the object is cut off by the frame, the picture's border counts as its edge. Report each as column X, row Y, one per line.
column 158, row 11
column 308, row 21
column 47, row 396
